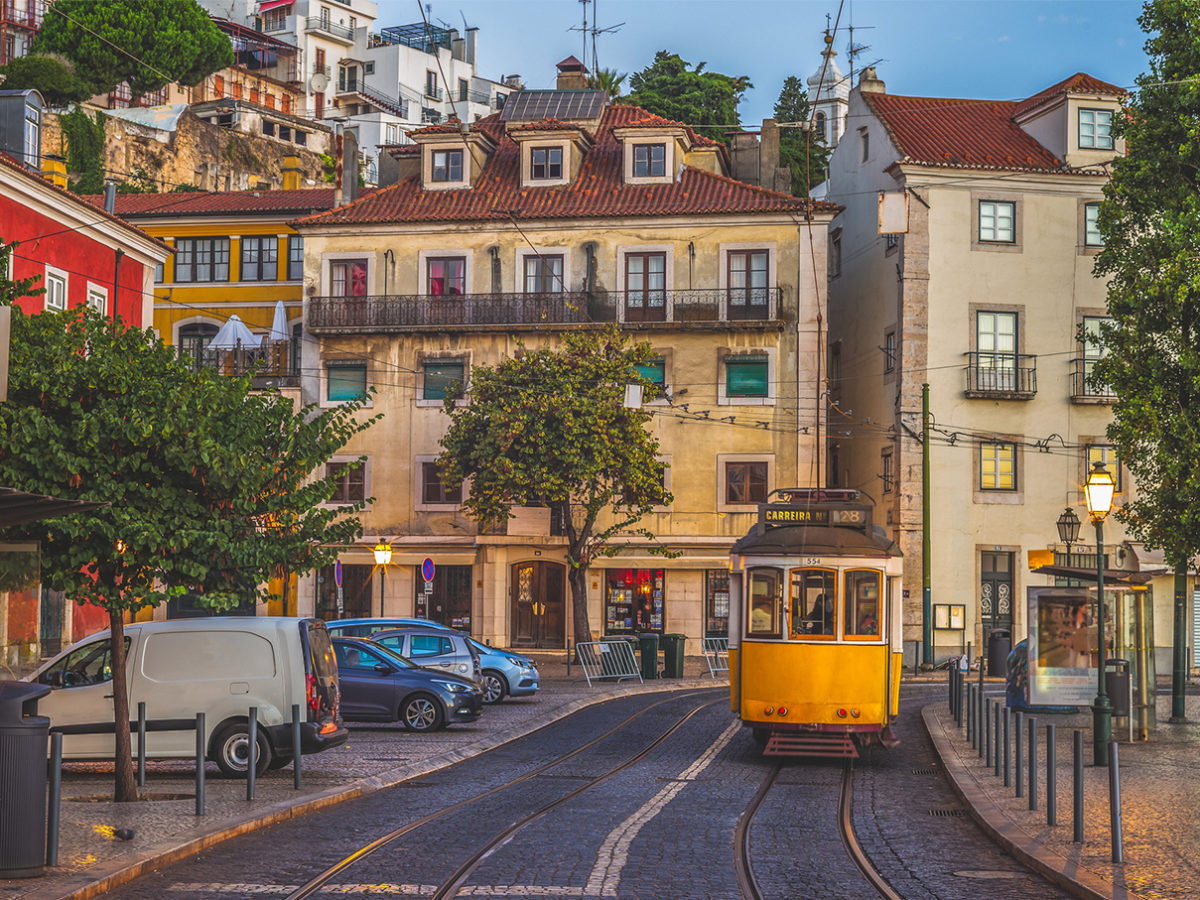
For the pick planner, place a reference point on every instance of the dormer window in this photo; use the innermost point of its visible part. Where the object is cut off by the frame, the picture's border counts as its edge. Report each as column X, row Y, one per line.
column 545, row 163
column 447, row 166
column 1095, row 129
column 649, row 160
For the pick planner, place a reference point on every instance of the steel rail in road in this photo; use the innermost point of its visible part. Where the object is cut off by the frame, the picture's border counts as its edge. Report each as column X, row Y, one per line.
column 316, row 883
column 850, row 840
column 741, row 838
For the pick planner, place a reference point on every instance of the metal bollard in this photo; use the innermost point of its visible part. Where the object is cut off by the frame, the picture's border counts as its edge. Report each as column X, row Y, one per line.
column 987, row 733
column 199, row 764
column 1019, row 753
column 1033, row 787
column 252, row 753
column 1077, row 764
column 980, row 722
column 1051, row 776
column 1114, row 803
column 569, row 659
column 970, row 714
column 1007, row 745
column 950, row 688
column 141, row 775
column 297, row 778
column 54, row 810
column 996, row 740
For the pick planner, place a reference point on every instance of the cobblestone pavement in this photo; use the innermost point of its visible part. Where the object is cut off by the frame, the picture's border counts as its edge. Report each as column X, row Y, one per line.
column 165, row 827
column 1159, row 795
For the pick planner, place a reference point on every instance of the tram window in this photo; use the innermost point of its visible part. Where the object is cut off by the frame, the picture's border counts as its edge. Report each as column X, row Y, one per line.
column 766, row 590
column 862, row 604
column 812, row 603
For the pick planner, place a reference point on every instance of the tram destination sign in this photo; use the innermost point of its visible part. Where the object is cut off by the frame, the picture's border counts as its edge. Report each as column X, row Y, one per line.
column 810, row 514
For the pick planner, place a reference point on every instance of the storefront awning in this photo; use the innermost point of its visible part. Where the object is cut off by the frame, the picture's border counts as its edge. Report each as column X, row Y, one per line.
column 273, row 4
column 1112, row 577
column 18, row 507
column 1153, row 559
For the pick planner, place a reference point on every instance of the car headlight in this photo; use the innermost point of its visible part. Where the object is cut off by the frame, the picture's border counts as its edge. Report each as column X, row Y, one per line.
column 453, row 686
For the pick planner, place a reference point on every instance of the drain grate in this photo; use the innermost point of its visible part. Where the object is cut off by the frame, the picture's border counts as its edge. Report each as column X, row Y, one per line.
column 948, row 813
column 924, row 771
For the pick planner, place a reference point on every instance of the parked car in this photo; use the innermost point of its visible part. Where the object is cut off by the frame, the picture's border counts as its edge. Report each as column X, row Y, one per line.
column 502, row 672
column 379, row 685
column 219, row 666
column 434, row 648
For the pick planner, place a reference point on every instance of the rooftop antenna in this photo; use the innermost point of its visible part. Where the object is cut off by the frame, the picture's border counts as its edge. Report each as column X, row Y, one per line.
column 853, row 50
column 583, row 28
column 611, row 29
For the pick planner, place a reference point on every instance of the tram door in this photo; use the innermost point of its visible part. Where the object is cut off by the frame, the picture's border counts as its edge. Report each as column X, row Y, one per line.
column 537, row 604
column 995, row 592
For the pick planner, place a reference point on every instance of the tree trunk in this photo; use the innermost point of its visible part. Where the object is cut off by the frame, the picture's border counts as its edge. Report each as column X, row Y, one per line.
column 124, row 786
column 577, row 576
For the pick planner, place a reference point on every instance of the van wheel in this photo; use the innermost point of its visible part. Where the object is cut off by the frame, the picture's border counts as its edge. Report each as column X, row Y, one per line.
column 494, row 687
column 421, row 712
column 231, row 750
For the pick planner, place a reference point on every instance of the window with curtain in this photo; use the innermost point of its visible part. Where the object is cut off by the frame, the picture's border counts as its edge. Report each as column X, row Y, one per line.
column 442, row 377
column 447, row 275
column 348, row 278
column 346, row 380
column 544, row 274
column 746, row 376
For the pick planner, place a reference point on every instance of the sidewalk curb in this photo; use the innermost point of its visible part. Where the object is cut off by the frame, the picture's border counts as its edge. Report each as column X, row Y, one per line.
column 105, row 878
column 1058, row 869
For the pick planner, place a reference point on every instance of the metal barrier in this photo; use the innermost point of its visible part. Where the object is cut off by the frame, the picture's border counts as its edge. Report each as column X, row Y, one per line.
column 603, row 660
column 716, row 654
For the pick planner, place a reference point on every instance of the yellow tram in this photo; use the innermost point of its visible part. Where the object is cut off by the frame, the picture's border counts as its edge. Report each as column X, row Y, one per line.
column 815, row 636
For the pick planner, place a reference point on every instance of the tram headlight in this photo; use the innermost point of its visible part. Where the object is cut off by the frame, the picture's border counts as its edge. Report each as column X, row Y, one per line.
column 854, row 713
column 770, row 710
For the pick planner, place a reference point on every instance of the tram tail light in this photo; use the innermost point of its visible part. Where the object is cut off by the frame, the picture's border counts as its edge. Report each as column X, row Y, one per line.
column 783, row 710
column 841, row 713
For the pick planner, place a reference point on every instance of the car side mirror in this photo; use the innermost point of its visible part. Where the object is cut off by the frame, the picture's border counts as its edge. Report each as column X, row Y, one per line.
column 383, row 668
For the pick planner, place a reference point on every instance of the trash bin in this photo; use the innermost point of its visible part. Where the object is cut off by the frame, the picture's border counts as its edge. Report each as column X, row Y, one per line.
column 23, row 742
column 999, row 646
column 648, row 646
column 1116, row 683
column 673, row 655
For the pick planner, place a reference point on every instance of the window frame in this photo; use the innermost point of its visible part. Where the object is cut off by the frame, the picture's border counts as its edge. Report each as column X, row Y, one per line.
column 420, row 504
column 724, row 460
column 996, row 218
column 1095, row 126
column 649, row 163
column 796, row 614
column 97, row 292
column 444, row 497
column 775, row 632
column 345, row 364
column 441, row 362
column 724, row 355
column 329, row 260
column 1108, row 454
column 60, row 279
column 430, row 262
column 556, row 280
column 1091, row 211
column 189, row 248
column 264, row 265
column 995, row 457
column 295, row 260
column 350, row 482
column 548, row 165
column 646, row 310
column 887, row 462
column 447, row 167
column 745, row 303
column 889, row 351
column 861, row 603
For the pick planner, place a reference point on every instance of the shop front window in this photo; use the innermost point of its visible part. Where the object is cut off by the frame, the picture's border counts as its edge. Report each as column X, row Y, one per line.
column 634, row 601
column 716, row 603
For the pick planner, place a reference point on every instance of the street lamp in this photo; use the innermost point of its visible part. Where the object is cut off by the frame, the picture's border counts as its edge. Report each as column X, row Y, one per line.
column 383, row 556
column 1098, row 495
column 1068, row 530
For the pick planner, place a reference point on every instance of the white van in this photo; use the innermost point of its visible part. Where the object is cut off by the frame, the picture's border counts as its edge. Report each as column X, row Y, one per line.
column 219, row 666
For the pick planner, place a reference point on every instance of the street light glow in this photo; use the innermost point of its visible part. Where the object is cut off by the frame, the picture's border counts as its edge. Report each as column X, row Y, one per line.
column 383, row 553
column 1098, row 491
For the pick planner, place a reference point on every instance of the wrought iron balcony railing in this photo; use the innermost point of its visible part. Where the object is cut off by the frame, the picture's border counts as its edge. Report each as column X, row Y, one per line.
column 1081, row 388
column 1011, row 376
column 394, row 312
column 319, row 23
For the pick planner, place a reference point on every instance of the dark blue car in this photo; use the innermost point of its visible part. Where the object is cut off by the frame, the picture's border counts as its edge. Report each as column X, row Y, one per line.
column 381, row 686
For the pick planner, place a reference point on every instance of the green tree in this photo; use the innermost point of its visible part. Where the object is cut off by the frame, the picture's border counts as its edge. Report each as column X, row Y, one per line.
column 806, row 156
column 85, row 135
column 210, row 487
column 147, row 45
column 608, row 80
column 549, row 428
column 53, row 78
column 1150, row 224
column 708, row 101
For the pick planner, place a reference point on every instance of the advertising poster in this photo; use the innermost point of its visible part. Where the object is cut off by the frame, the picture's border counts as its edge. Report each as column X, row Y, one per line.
column 1062, row 647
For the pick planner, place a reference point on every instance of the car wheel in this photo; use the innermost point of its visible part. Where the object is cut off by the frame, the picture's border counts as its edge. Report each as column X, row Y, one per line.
column 231, row 750
column 494, row 686
column 421, row 712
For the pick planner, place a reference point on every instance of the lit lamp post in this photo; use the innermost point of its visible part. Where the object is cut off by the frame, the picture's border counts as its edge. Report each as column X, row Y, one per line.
column 1098, row 495
column 383, row 556
column 1068, row 530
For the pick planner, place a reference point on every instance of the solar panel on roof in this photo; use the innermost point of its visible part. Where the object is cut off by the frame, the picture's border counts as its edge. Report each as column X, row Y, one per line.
column 533, row 106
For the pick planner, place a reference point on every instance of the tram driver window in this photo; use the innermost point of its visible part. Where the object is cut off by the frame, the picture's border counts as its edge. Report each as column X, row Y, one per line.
column 766, row 592
column 862, row 604
column 813, row 605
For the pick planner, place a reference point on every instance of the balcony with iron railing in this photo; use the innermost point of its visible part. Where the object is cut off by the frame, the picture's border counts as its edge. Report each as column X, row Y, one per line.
column 704, row 308
column 28, row 17
column 273, row 364
column 1082, row 391
column 330, row 29
column 1001, row 376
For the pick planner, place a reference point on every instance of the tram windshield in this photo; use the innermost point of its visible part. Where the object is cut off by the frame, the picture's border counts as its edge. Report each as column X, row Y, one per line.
column 813, row 603
column 766, row 592
column 862, row 603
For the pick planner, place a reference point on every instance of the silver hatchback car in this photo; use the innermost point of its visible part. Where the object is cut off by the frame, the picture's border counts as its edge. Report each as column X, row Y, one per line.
column 433, row 648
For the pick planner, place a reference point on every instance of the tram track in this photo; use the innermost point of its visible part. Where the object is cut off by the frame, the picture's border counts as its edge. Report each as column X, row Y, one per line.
column 451, row 885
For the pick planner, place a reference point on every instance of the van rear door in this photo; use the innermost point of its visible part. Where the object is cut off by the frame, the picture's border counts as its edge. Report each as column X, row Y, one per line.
column 322, row 694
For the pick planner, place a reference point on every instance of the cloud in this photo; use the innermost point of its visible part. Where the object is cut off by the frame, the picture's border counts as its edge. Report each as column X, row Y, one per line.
column 1003, row 39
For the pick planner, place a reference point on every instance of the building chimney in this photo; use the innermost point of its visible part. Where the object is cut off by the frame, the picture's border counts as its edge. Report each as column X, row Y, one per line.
column 110, row 197
column 768, row 153
column 54, row 169
column 869, row 84
column 346, row 170
column 291, row 173
column 572, row 75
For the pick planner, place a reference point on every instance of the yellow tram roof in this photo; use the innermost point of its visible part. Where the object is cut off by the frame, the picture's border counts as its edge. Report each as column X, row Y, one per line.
column 816, row 540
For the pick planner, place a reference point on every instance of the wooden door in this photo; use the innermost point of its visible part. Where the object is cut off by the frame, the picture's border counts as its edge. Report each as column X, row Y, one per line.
column 538, row 618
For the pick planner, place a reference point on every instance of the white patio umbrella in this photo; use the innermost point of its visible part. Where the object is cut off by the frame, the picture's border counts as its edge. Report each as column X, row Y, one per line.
column 232, row 334
column 279, row 326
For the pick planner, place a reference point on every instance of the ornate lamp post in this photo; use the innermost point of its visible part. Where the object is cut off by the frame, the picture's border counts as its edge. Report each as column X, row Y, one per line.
column 1098, row 495
column 1068, row 529
column 383, row 556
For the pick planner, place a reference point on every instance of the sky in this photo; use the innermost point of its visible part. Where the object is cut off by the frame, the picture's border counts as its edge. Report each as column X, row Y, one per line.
column 988, row 49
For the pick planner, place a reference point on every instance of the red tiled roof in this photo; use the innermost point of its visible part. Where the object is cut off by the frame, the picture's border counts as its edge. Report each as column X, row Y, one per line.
column 598, row 191
column 1079, row 83
column 203, row 203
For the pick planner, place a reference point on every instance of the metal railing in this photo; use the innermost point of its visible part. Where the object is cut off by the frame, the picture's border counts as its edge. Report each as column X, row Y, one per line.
column 434, row 93
column 1013, row 375
column 317, row 23
column 394, row 311
column 1081, row 388
column 610, row 660
column 269, row 365
column 394, row 105
column 30, row 17
column 716, row 654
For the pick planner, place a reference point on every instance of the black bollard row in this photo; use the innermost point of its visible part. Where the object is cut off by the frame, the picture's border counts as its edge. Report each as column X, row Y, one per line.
column 199, row 764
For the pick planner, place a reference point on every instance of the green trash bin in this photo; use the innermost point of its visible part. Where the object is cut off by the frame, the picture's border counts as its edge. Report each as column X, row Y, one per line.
column 648, row 645
column 673, row 655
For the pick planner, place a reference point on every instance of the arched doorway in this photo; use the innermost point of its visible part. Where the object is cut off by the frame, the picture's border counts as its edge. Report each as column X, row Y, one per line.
column 537, row 604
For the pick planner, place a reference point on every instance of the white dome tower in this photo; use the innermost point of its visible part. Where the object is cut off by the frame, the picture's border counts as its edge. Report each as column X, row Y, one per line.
column 829, row 94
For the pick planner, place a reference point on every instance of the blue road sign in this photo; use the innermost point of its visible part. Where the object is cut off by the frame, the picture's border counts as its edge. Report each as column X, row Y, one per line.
column 427, row 569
